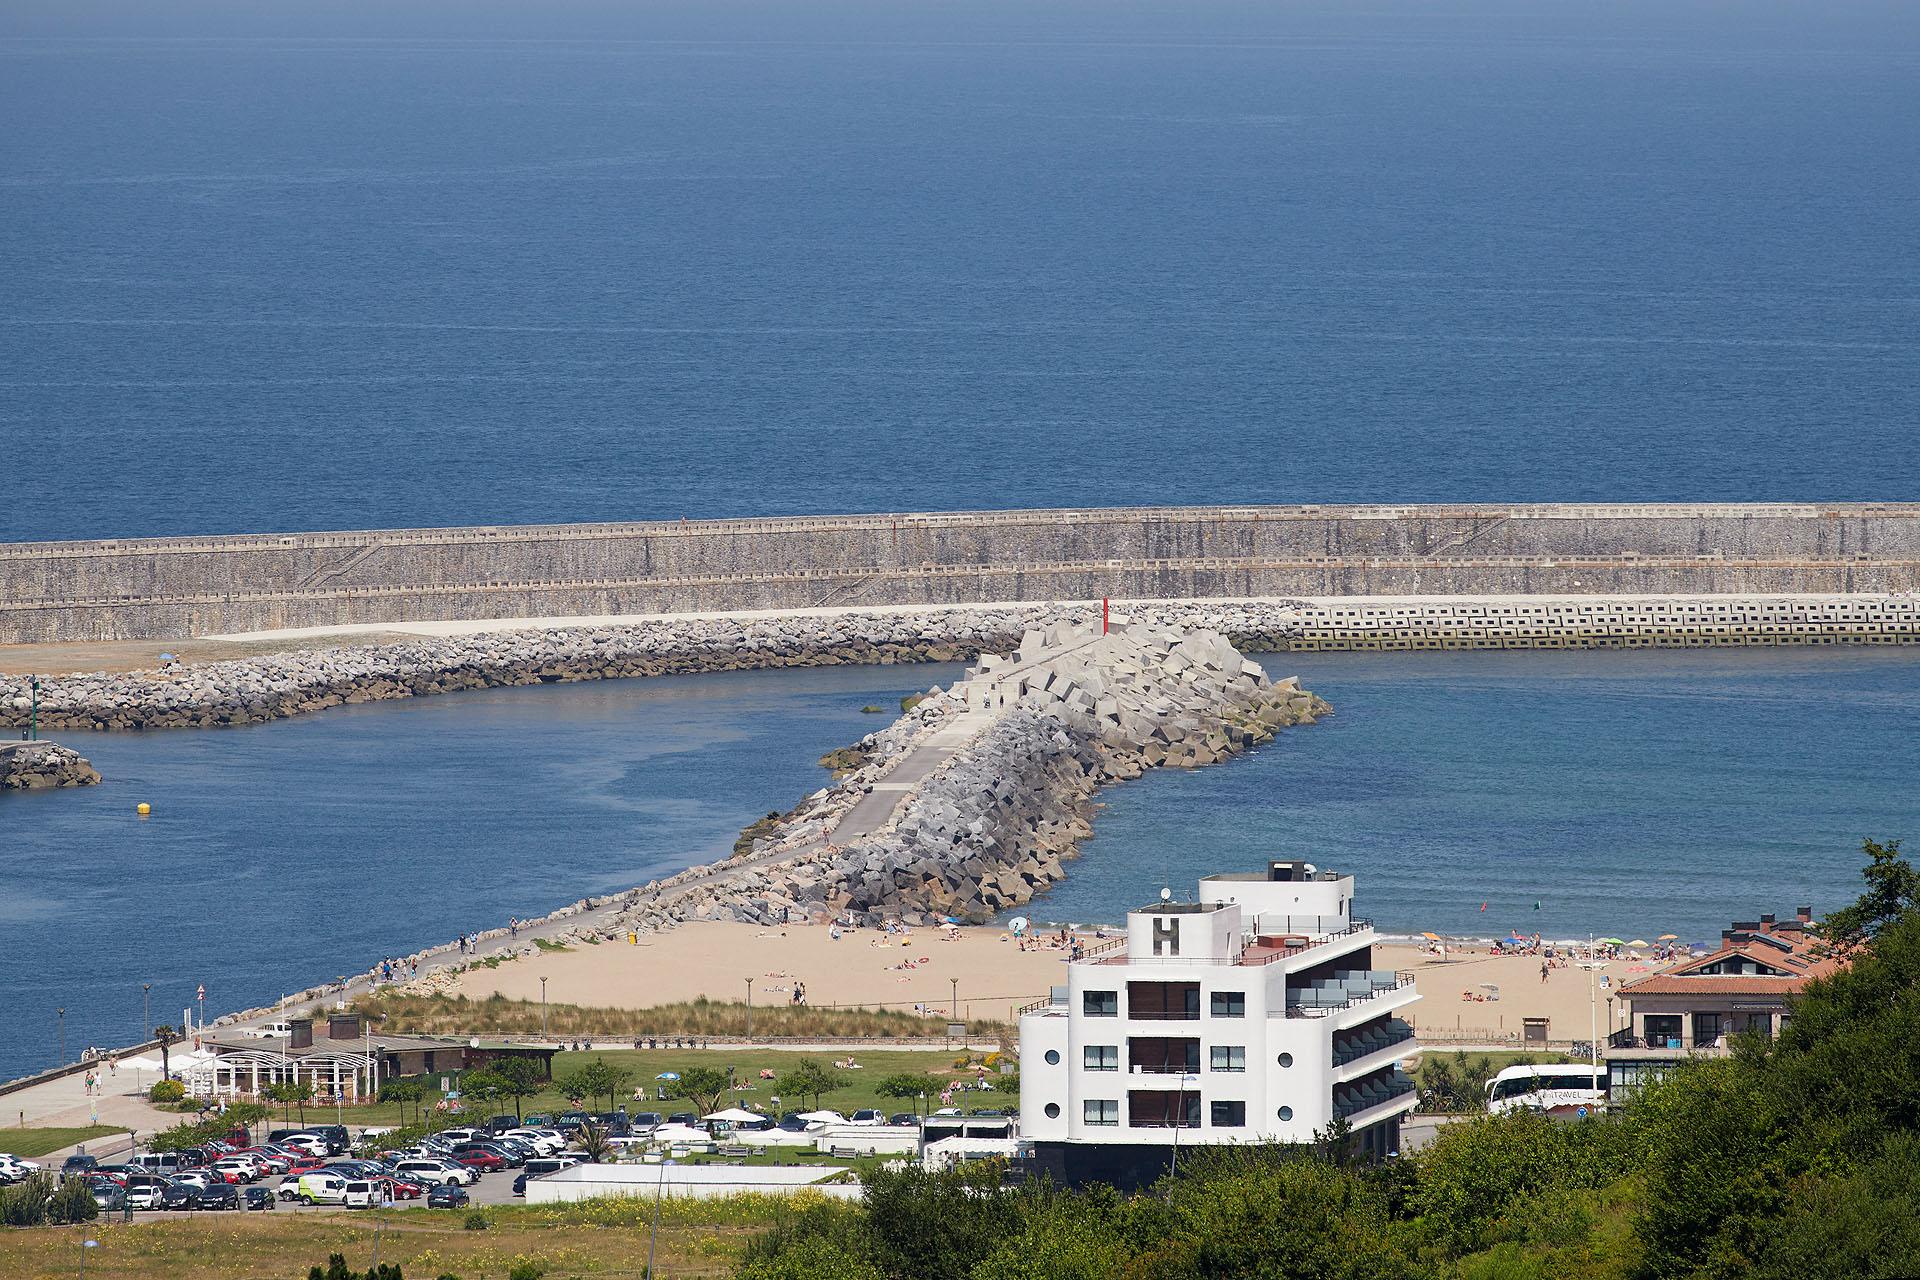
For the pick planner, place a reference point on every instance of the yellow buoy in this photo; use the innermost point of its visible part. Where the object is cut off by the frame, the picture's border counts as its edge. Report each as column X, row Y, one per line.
column 143, row 808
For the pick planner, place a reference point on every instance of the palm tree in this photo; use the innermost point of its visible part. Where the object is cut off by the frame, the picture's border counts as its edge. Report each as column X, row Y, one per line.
column 166, row 1035
column 593, row 1142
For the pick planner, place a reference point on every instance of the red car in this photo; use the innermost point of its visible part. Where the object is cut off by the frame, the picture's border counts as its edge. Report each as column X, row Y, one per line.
column 275, row 1162
column 306, row 1166
column 485, row 1161
column 401, row 1189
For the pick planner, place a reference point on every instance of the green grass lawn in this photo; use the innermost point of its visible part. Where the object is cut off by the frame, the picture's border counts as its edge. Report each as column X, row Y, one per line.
column 38, row 1142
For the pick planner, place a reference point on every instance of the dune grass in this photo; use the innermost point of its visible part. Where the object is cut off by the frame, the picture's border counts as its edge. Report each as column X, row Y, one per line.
column 499, row 1015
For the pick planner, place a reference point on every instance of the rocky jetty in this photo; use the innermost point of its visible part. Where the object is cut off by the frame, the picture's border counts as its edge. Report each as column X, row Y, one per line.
column 274, row 686
column 33, row 766
column 1071, row 712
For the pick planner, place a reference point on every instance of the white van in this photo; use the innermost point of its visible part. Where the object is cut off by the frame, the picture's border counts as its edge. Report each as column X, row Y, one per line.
column 1548, row 1088
column 365, row 1195
column 321, row 1188
column 164, row 1162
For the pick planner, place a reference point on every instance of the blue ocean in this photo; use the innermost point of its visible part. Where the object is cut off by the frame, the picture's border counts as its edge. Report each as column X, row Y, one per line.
column 353, row 264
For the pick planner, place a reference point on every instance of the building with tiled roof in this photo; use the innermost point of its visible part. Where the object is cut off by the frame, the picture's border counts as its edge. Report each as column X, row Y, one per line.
column 1697, row 1007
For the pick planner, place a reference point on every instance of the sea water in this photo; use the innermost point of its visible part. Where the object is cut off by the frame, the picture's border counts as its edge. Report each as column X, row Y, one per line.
column 1625, row 793
column 371, row 265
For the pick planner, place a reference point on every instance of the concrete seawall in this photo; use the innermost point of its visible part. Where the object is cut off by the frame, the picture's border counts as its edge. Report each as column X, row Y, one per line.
column 173, row 588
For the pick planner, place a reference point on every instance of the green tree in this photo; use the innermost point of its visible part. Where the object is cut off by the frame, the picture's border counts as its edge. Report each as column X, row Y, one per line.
column 1893, row 889
column 402, row 1090
column 595, row 1143
column 483, row 1085
column 705, row 1087
column 167, row 1037
column 810, row 1078
column 594, row 1080
column 520, row 1079
column 939, row 1226
column 906, row 1086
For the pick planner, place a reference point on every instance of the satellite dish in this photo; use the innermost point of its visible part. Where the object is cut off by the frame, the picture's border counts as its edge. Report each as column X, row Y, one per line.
column 1312, row 870
column 1166, row 894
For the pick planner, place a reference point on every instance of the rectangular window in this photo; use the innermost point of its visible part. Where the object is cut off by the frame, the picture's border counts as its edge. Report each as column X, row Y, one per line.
column 1229, row 1057
column 1229, row 1004
column 1101, row 1111
column 1100, row 1004
column 1101, row 1057
column 1229, row 1115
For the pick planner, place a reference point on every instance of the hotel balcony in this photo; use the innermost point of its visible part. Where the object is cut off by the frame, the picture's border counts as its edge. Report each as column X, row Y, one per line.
column 1352, row 997
column 1362, row 1102
column 1367, row 1049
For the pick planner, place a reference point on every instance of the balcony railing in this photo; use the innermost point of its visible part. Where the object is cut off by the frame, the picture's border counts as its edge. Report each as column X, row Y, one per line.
column 1252, row 956
column 1358, row 1047
column 1319, row 1002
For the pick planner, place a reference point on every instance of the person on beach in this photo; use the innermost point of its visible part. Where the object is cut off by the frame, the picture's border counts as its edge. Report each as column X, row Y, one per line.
column 1543, row 971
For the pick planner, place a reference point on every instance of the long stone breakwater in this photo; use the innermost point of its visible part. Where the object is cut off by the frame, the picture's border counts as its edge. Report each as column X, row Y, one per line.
column 171, row 588
column 274, row 686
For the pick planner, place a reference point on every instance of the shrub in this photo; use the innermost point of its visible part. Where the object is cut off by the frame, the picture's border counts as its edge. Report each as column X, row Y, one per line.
column 476, row 1221
column 166, row 1091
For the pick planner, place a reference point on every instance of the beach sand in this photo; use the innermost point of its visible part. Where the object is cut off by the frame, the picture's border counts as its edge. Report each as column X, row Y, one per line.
column 866, row 968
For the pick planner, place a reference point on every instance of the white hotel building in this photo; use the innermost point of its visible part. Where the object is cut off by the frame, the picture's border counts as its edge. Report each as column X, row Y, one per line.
column 1253, row 1015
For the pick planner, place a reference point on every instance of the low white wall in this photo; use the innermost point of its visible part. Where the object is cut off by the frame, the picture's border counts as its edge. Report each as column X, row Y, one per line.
column 681, row 1181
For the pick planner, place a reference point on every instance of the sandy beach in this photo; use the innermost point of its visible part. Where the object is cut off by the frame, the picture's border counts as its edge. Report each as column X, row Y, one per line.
column 995, row 977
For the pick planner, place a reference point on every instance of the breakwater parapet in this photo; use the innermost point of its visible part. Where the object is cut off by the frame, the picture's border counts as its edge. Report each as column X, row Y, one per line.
column 274, row 686
column 58, row 592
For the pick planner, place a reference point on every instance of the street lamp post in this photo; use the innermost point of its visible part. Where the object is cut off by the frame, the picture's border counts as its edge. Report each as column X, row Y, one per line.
column 84, row 1246
column 543, row 1008
column 146, row 1018
column 60, row 1020
column 956, row 998
column 749, row 1009
column 33, row 719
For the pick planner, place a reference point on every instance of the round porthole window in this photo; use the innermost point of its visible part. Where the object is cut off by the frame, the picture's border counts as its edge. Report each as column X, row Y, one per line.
column 1053, row 1057
column 1053, row 1111
column 1286, row 1113
column 1286, row 1059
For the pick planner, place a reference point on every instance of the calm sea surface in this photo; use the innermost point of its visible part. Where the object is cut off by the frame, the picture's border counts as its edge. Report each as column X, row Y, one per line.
column 369, row 264
column 1628, row 793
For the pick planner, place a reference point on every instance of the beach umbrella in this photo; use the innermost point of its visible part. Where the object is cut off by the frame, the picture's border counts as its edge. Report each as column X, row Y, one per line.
column 1614, row 942
column 1638, row 942
column 1669, row 937
column 1018, row 924
column 736, row 1115
column 1431, row 937
column 1516, row 939
column 668, row 1075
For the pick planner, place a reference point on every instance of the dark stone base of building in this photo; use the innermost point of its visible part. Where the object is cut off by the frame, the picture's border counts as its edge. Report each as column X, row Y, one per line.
column 1131, row 1167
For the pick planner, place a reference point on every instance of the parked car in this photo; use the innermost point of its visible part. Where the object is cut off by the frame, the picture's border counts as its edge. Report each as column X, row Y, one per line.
column 275, row 1161
column 867, row 1116
column 364, row 1193
column 218, row 1196
column 108, row 1195
column 903, row 1117
column 79, row 1165
column 254, row 1198
column 195, row 1178
column 570, row 1121
column 501, row 1124
column 448, row 1197
column 435, row 1172
column 403, row 1188
column 14, row 1166
column 179, row 1196
column 146, row 1193
column 478, row 1158
column 236, row 1169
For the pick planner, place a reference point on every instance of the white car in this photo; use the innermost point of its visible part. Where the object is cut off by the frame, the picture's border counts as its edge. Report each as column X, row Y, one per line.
column 269, row 1031
column 437, row 1173
column 307, row 1144
column 545, row 1141
column 146, row 1195
column 244, row 1167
